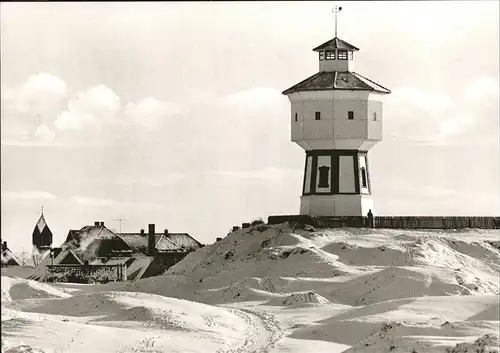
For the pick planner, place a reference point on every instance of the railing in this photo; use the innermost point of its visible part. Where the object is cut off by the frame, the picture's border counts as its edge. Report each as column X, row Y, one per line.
column 399, row 222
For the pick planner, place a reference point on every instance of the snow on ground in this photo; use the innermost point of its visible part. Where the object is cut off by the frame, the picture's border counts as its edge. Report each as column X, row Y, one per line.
column 278, row 289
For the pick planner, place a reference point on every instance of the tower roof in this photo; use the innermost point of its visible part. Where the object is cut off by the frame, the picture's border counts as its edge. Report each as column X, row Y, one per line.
column 42, row 235
column 336, row 43
column 41, row 223
column 337, row 80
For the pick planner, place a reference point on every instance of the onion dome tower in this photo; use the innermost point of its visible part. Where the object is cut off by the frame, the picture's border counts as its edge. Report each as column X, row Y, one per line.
column 42, row 236
column 336, row 117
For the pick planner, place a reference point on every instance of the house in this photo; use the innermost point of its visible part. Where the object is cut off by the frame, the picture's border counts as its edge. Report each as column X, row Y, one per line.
column 121, row 256
column 8, row 257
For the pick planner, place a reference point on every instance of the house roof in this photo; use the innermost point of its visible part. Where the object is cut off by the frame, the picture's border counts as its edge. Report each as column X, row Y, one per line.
column 165, row 244
column 94, row 241
column 138, row 242
column 336, row 43
column 65, row 253
column 111, row 261
column 8, row 258
column 337, row 80
column 173, row 241
column 184, row 240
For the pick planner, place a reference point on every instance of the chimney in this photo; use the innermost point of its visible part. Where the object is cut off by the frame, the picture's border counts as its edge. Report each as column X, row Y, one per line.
column 4, row 246
column 143, row 233
column 151, row 239
column 235, row 228
column 96, row 223
column 102, row 224
column 165, row 232
column 245, row 225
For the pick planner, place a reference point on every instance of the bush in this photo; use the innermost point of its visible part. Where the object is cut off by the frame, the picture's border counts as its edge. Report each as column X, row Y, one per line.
column 257, row 222
column 261, row 227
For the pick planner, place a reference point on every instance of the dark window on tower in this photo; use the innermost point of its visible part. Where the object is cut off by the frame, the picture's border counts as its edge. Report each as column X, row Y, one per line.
column 342, row 54
column 296, row 116
column 350, row 115
column 374, row 116
column 350, row 54
column 363, row 177
column 324, row 177
column 321, row 55
column 330, row 54
column 318, row 115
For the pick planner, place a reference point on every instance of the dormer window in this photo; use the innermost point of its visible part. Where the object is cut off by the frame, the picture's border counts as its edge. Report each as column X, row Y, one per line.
column 321, row 55
column 330, row 54
column 342, row 54
column 350, row 54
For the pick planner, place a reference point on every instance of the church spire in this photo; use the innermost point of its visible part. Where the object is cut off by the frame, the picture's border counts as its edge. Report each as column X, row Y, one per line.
column 42, row 235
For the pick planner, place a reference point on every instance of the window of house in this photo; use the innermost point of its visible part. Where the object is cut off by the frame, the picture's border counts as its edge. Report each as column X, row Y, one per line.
column 350, row 54
column 350, row 115
column 296, row 116
column 342, row 54
column 374, row 116
column 363, row 177
column 321, row 55
column 324, row 177
column 318, row 115
column 330, row 54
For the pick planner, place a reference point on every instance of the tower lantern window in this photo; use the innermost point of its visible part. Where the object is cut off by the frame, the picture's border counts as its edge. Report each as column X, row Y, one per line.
column 342, row 54
column 330, row 54
column 321, row 55
column 350, row 54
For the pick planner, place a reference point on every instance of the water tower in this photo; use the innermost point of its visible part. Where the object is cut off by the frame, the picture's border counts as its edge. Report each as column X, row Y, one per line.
column 336, row 117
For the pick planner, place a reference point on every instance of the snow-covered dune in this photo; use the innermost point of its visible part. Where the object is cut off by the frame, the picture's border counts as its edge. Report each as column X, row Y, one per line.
column 279, row 289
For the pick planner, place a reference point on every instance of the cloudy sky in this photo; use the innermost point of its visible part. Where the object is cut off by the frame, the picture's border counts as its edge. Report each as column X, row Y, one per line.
column 172, row 113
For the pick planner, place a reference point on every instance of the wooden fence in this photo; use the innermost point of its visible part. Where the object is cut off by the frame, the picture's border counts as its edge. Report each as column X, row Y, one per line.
column 399, row 222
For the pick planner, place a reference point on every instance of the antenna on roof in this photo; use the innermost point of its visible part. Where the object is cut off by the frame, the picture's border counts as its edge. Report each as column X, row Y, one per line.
column 336, row 10
column 119, row 220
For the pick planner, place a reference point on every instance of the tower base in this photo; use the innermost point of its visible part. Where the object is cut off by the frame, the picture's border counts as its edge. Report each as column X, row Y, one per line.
column 336, row 205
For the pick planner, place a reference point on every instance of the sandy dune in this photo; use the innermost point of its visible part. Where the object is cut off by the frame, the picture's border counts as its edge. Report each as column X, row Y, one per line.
column 279, row 290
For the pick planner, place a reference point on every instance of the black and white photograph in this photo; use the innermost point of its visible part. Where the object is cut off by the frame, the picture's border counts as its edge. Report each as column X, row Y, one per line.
column 250, row 177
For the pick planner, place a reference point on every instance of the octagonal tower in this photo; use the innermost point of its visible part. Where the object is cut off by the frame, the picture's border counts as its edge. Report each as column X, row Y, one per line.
column 336, row 117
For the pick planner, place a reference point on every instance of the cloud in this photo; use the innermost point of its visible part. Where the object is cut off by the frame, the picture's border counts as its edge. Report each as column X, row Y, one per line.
column 89, row 201
column 151, row 112
column 44, row 133
column 252, row 98
column 27, row 195
column 90, row 109
column 38, row 91
column 433, row 117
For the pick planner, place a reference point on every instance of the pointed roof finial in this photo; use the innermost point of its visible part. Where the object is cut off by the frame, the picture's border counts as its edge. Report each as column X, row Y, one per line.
column 336, row 10
column 42, row 209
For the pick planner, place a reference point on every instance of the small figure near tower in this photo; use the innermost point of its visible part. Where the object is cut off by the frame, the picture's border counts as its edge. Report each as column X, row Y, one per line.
column 42, row 236
column 336, row 117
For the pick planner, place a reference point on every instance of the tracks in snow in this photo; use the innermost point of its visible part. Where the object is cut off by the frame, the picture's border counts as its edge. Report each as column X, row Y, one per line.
column 262, row 331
